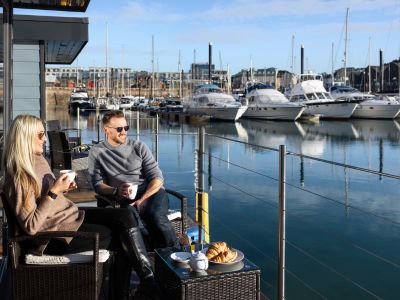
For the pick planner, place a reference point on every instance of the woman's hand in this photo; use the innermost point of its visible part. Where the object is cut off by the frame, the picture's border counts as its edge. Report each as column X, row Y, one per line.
column 61, row 184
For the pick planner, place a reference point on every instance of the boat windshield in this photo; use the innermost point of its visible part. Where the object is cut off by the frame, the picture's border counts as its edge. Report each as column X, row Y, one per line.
column 207, row 88
column 259, row 86
column 343, row 89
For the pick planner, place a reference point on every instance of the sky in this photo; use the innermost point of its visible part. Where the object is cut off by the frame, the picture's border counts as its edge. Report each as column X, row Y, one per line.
column 243, row 33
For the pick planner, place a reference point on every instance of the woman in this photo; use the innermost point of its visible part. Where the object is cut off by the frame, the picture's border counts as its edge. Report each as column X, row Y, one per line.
column 37, row 200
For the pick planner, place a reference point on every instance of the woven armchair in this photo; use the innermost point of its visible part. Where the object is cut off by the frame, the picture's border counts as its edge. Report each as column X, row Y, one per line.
column 52, row 281
column 179, row 224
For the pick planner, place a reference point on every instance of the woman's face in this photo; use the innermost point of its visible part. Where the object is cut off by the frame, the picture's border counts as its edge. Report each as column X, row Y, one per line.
column 40, row 139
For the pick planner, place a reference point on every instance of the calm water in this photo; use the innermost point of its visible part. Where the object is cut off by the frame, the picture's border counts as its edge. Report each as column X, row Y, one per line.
column 343, row 225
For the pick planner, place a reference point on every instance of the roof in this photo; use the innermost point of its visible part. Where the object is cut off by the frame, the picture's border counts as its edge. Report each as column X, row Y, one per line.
column 71, row 5
column 63, row 37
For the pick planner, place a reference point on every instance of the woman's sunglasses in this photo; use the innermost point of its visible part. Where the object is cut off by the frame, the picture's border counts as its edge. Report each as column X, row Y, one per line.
column 41, row 135
column 119, row 129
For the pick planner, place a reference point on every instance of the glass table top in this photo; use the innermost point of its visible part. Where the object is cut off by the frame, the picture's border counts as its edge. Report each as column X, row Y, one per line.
column 184, row 271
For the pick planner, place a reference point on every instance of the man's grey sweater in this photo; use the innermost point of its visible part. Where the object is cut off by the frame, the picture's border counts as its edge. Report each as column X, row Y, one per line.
column 129, row 162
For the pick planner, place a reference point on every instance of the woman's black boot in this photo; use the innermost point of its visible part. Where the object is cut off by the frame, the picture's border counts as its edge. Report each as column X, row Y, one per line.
column 136, row 250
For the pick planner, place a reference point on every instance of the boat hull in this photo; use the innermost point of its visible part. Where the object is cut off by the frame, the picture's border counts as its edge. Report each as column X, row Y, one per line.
column 219, row 113
column 82, row 105
column 287, row 113
column 373, row 111
column 331, row 110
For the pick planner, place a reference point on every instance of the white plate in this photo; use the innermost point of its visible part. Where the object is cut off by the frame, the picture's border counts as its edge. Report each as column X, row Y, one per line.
column 238, row 258
column 182, row 257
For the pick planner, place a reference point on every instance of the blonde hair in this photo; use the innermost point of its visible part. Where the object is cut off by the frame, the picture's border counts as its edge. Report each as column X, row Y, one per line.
column 18, row 155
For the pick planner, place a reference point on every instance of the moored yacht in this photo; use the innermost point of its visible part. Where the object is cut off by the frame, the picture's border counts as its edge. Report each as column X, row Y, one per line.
column 210, row 100
column 370, row 107
column 310, row 91
column 265, row 102
column 79, row 98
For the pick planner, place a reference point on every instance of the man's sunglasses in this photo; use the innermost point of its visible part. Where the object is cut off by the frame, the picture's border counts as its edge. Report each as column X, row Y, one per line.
column 119, row 129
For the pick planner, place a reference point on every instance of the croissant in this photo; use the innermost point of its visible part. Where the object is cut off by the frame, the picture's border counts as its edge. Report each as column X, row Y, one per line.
column 220, row 252
column 230, row 255
column 216, row 248
column 212, row 251
column 219, row 258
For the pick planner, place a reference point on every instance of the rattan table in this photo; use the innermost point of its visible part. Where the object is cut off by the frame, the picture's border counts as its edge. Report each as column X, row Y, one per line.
column 240, row 281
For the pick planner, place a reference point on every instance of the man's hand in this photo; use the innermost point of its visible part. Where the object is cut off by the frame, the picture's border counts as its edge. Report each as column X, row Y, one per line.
column 153, row 187
column 123, row 190
column 137, row 202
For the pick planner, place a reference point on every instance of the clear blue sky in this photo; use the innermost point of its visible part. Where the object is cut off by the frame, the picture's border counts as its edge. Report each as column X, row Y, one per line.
column 241, row 30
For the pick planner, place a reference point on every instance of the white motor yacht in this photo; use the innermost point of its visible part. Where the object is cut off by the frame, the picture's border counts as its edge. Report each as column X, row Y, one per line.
column 265, row 102
column 210, row 100
column 126, row 102
column 79, row 98
column 370, row 107
column 310, row 91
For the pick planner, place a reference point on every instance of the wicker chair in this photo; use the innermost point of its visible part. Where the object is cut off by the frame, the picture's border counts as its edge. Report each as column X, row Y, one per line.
column 60, row 150
column 180, row 224
column 57, row 281
column 73, row 134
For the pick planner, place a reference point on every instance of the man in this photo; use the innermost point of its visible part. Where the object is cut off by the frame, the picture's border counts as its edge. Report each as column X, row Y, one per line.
column 118, row 161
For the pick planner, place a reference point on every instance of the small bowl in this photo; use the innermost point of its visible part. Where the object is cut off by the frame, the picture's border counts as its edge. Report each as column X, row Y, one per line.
column 181, row 257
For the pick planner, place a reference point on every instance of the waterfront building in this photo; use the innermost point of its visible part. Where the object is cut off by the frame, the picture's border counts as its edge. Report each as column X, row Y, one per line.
column 265, row 75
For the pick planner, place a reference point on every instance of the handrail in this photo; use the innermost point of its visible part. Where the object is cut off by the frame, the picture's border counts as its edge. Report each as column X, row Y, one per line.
column 313, row 158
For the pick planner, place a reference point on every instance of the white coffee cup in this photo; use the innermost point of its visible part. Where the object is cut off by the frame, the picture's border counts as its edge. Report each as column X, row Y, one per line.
column 71, row 174
column 132, row 190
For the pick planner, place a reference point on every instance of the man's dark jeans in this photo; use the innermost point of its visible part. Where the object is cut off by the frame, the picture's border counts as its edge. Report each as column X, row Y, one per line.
column 153, row 221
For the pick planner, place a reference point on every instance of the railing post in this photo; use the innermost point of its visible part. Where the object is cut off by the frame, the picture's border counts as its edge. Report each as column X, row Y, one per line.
column 78, row 117
column 281, row 223
column 200, row 183
column 137, row 125
column 157, row 120
column 98, row 128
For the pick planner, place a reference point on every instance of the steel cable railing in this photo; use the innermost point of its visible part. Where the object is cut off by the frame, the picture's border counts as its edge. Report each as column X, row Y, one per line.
column 313, row 158
column 312, row 192
column 304, row 252
column 296, row 247
column 330, row 233
column 263, row 254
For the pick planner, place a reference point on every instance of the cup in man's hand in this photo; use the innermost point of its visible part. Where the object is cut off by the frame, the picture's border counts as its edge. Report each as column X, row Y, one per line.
column 71, row 174
column 132, row 190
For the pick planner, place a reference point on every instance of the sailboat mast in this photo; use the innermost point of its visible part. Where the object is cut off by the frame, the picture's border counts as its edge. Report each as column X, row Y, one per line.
column 107, row 75
column 292, row 66
column 251, row 69
column 345, row 48
column 152, row 67
column 369, row 65
column 333, row 71
column 180, row 74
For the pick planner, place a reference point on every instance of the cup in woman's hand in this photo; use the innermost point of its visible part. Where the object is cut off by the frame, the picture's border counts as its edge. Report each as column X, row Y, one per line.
column 71, row 174
column 132, row 190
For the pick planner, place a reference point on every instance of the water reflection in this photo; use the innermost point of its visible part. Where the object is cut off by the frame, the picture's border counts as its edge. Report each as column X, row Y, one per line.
column 377, row 129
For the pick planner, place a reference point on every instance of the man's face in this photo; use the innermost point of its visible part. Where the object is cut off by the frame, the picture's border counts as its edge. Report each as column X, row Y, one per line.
column 114, row 137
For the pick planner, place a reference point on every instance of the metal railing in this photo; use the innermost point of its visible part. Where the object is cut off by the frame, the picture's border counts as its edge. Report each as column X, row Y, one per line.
column 153, row 132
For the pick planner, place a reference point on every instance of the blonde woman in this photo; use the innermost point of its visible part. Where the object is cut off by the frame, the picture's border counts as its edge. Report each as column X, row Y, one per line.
column 36, row 198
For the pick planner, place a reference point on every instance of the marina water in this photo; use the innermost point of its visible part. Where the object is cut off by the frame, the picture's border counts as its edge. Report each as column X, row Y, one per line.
column 342, row 224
